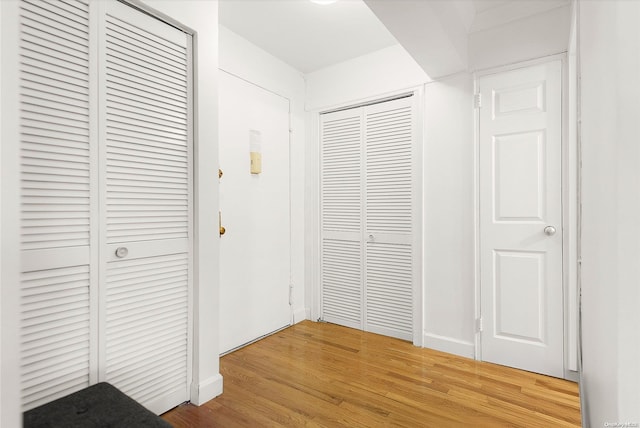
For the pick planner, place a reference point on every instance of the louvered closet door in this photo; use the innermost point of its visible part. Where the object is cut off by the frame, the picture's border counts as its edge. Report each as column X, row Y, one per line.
column 146, row 199
column 369, row 215
column 389, row 217
column 341, row 201
column 56, row 296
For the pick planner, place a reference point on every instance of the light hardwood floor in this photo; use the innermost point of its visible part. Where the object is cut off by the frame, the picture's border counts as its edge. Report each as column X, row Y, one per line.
column 324, row 375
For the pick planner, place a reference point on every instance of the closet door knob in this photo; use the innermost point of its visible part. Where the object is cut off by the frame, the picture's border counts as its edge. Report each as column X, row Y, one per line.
column 122, row 252
column 549, row 230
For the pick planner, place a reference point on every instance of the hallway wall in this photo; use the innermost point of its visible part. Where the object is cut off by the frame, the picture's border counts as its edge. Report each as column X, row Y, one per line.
column 527, row 38
column 449, row 216
column 609, row 56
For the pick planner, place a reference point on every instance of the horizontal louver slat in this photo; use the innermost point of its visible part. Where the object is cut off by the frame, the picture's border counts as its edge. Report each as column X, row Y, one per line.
column 54, row 352
column 342, row 282
column 340, row 172
column 147, row 135
column 389, row 170
column 389, row 300
column 147, row 322
column 54, row 173
column 54, row 125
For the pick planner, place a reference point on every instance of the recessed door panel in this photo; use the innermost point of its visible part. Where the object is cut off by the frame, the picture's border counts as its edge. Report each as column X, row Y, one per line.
column 519, row 174
column 519, row 99
column 519, row 295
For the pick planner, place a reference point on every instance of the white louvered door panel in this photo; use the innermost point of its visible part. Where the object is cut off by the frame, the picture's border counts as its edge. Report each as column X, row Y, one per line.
column 369, row 216
column 146, row 194
column 389, row 201
column 341, row 201
column 55, row 147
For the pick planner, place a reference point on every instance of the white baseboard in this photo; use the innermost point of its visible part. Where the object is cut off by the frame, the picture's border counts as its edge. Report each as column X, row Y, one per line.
column 299, row 314
column 449, row 344
column 206, row 390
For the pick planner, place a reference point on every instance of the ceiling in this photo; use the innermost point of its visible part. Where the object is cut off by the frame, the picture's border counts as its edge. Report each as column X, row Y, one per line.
column 306, row 35
column 309, row 36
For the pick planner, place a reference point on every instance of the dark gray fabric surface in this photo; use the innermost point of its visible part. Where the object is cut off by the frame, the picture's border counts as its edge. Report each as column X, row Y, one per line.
column 98, row 406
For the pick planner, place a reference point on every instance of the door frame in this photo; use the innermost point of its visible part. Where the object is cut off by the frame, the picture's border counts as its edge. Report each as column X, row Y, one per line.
column 313, row 204
column 569, row 201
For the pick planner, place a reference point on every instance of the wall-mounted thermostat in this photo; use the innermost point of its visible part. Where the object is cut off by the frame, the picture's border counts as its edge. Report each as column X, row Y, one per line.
column 255, row 151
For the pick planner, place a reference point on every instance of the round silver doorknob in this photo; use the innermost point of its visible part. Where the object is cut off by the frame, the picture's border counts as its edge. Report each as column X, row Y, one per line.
column 549, row 230
column 371, row 237
column 122, row 252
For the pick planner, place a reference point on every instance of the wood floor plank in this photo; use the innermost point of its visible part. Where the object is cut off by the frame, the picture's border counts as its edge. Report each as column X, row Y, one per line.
column 324, row 375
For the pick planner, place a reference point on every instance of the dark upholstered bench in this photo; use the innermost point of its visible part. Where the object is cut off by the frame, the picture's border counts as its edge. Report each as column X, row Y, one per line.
column 98, row 406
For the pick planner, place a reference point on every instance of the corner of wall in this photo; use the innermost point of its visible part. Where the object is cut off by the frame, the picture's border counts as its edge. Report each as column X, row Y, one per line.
column 448, row 186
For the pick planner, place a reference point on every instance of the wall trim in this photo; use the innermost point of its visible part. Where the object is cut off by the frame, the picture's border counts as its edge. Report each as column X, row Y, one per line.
column 299, row 314
column 448, row 344
column 206, row 390
column 519, row 64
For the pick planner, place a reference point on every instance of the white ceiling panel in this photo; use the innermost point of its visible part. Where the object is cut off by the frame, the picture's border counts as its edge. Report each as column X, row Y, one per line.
column 306, row 35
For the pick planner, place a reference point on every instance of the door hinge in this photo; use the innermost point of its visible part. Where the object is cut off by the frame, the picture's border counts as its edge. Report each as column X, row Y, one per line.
column 290, row 294
column 477, row 100
column 479, row 324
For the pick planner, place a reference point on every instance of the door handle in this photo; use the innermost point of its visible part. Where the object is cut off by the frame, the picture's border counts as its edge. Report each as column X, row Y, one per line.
column 122, row 252
column 222, row 229
column 549, row 230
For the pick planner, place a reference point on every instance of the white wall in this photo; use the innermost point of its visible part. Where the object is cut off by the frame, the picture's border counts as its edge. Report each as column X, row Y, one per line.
column 448, row 240
column 388, row 70
column 245, row 60
column 449, row 216
column 609, row 56
column 570, row 205
column 527, row 38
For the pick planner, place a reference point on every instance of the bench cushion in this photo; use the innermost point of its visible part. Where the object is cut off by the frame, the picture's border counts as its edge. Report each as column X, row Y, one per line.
column 100, row 405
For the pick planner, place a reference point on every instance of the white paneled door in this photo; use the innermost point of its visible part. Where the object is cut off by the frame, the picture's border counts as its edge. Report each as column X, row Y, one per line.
column 369, row 206
column 521, row 219
column 255, row 251
column 106, row 202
